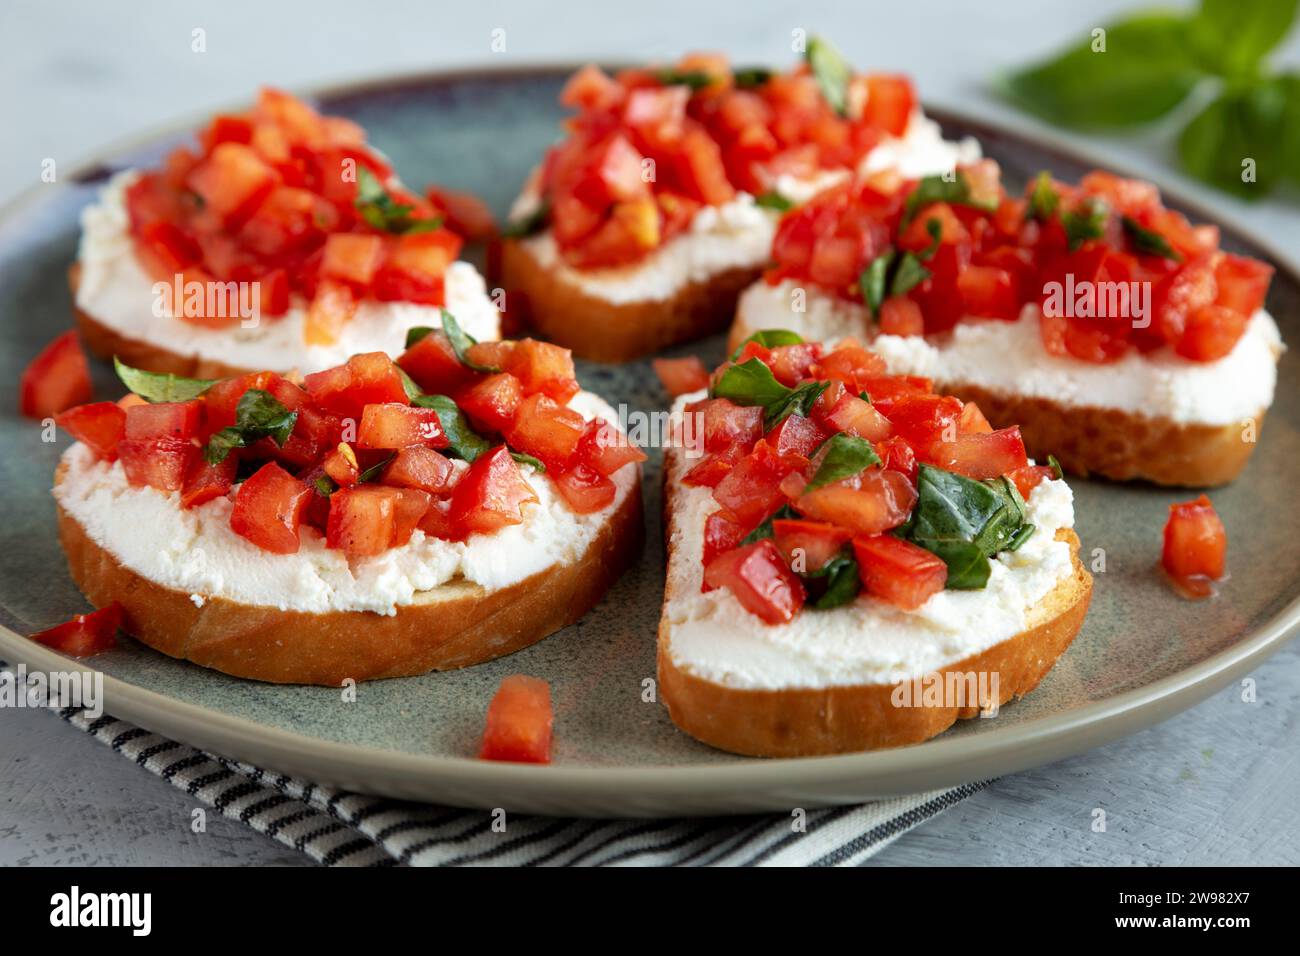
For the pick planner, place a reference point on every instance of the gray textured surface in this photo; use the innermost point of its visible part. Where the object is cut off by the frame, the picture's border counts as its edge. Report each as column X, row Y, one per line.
column 1215, row 784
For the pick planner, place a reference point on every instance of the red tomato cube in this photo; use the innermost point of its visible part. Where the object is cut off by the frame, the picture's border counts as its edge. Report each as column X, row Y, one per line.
column 391, row 425
column 421, row 468
column 341, row 465
column 352, row 257
column 362, row 520
column 85, row 634
column 871, row 502
column 206, row 481
column 752, row 489
column 519, row 722
column 855, row 416
column 760, row 580
column 796, row 435
column 491, row 494
column 725, row 425
column 1196, row 544
column 606, row 449
column 232, row 181
column 891, row 100
column 433, row 364
column 99, row 426
column 367, row 379
column 901, row 316
column 331, row 308
column 722, row 532
column 982, row 455
column 898, row 572
column 269, row 508
column 543, row 367
column 681, row 376
column 546, row 430
column 57, row 379
column 164, row 420
column 491, row 402
column 409, row 510
column 585, row 489
column 160, row 463
column 808, row 545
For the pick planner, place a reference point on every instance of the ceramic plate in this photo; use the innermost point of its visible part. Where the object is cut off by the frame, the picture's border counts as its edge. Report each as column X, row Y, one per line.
column 1143, row 653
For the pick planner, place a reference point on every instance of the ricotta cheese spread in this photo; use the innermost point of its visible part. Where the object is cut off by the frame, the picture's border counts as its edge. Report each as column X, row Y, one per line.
column 1010, row 358
column 196, row 552
column 116, row 291
column 737, row 234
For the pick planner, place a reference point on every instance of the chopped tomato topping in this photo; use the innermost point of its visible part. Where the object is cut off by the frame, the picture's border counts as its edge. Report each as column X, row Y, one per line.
column 808, row 545
column 547, row 430
column 160, row 463
column 519, row 722
column 1027, row 477
column 606, row 449
column 85, row 634
column 164, row 420
column 57, row 379
column 362, row 520
column 760, row 579
column 393, row 425
column 492, row 402
column 422, row 468
column 206, row 481
column 99, row 425
column 897, row 571
column 982, row 455
column 585, row 489
column 490, row 495
column 269, row 507
column 433, row 364
column 1195, row 546
column 871, row 502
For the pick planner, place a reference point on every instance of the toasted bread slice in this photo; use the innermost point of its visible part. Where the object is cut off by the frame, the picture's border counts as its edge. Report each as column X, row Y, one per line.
column 454, row 625
column 803, row 721
column 619, row 331
column 1110, row 443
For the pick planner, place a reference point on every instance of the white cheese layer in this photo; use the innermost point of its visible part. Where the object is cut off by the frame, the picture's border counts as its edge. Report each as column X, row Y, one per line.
column 115, row 290
column 866, row 642
column 1010, row 358
column 737, row 234
column 196, row 552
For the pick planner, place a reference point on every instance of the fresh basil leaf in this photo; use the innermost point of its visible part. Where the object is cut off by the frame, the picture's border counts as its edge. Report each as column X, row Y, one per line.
column 764, row 529
column 374, row 471
column 750, row 77
column 1055, row 465
column 937, row 188
column 325, row 485
column 412, row 390
column 695, row 79
column 528, row 224
column 909, row 274
column 750, row 383
column 843, row 582
column 155, row 387
column 874, row 278
column 831, row 72
column 529, row 460
column 1240, row 126
column 1231, row 37
column 1147, row 241
column 773, row 200
column 1001, row 529
column 1044, row 200
column 968, row 566
column 460, row 343
column 1025, row 532
column 417, row 333
column 462, row 441
column 380, row 210
column 865, row 396
column 1146, row 69
column 949, row 505
column 799, row 402
column 846, row 455
column 1088, row 221
column 257, row 415
column 769, row 339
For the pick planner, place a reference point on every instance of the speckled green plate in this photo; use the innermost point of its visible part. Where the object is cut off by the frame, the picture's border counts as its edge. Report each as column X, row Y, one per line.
column 1142, row 655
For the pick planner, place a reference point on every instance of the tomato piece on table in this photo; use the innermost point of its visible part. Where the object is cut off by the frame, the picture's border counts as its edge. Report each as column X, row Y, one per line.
column 269, row 508
column 1195, row 546
column 99, row 426
column 57, row 379
column 681, row 376
column 519, row 722
column 898, row 572
column 85, row 634
column 393, row 425
column 491, row 494
column 760, row 580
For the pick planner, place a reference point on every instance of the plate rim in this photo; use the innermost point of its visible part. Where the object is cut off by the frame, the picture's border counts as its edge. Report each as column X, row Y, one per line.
column 589, row 789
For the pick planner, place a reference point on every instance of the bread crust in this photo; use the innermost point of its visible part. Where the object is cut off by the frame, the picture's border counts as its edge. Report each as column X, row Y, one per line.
column 457, row 625
column 618, row 332
column 1106, row 442
column 799, row 722
column 106, row 342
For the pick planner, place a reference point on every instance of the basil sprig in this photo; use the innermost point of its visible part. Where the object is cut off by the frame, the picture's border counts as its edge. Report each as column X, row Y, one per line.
column 379, row 209
column 156, row 387
column 1148, row 241
column 750, row 77
column 846, row 455
column 954, row 191
column 1087, row 221
column 831, row 72
column 752, row 383
column 257, row 415
column 891, row 274
column 461, row 342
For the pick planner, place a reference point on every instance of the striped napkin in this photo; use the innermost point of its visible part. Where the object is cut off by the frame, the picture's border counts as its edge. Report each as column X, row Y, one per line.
column 340, row 828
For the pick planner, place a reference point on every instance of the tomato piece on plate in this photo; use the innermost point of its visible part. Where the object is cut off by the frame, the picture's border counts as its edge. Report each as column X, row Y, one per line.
column 808, row 545
column 206, row 481
column 362, row 520
column 85, row 634
column 898, row 572
column 393, row 425
column 57, row 379
column 760, row 580
column 605, row 448
column 585, row 489
column 1195, row 545
column 492, row 402
column 681, row 376
column 269, row 508
column 870, row 502
column 99, row 426
column 160, row 463
column 433, row 364
column 547, row 430
column 519, row 722
column 422, row 468
column 491, row 494
column 164, row 420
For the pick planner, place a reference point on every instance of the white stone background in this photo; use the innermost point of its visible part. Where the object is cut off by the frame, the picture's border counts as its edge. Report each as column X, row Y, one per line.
column 1216, row 784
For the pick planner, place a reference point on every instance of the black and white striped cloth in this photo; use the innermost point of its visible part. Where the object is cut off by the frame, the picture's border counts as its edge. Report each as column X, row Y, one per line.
column 339, row 828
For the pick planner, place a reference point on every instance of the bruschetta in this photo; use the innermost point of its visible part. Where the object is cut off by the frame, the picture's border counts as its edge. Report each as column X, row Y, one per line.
column 854, row 561
column 380, row 519
column 1116, row 334
column 639, row 230
column 281, row 241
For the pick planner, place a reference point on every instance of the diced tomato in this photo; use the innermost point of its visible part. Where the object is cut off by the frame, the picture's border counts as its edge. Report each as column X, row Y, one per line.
column 917, row 234
column 206, row 481
column 605, row 448
column 760, row 580
column 86, row 634
column 367, row 379
column 415, row 267
column 397, row 425
column 722, row 532
column 341, row 465
column 333, row 307
column 433, row 364
column 989, row 292
column 710, row 470
column 160, row 463
column 547, row 430
column 796, row 435
column 409, row 510
column 849, row 364
column 897, row 455
column 1196, row 544
column 726, row 425
column 901, row 316
column 752, row 489
column 519, row 722
column 57, row 379
column 681, row 376
column 422, row 468
column 898, row 572
column 925, row 419
column 972, row 421
column 164, row 420
column 492, row 401
column 543, row 367
column 269, row 508
column 856, row 416
column 99, row 426
column 222, row 398
column 808, row 545
column 232, row 180
column 491, row 494
column 891, row 100
column 465, row 214
column 585, row 489
column 791, row 364
column 1212, row 332
column 982, row 455
column 871, row 502
column 362, row 520
column 352, row 257
column 1242, row 284
column 1027, row 477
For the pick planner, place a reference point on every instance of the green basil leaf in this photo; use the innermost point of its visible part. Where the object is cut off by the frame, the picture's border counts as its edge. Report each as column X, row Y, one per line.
column 909, row 274
column 949, row 505
column 773, row 200
column 374, row 471
column 1231, row 37
column 528, row 224
column 846, row 455
column 257, row 415
column 749, row 77
column 1055, row 465
column 1147, row 241
column 968, row 566
column 462, row 441
column 695, row 79
column 843, row 582
column 764, row 529
column 1241, row 129
column 831, row 72
column 874, row 278
column 750, row 383
column 325, row 485
column 1025, row 532
column 377, row 207
column 937, row 188
column 460, row 343
column 799, row 402
column 416, row 333
column 1044, row 199
column 1086, row 222
column 412, row 390
column 1146, row 69
column 529, row 460
column 155, row 387
column 769, row 339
